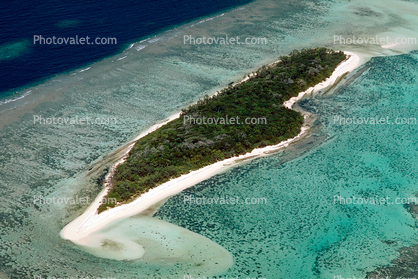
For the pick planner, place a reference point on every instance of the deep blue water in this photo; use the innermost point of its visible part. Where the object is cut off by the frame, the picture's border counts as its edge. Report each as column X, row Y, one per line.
column 22, row 62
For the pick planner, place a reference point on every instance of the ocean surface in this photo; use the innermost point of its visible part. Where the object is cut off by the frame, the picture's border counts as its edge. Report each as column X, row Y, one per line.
column 299, row 232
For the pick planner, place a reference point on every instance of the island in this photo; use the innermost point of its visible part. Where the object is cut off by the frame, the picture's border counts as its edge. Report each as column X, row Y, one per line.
column 244, row 116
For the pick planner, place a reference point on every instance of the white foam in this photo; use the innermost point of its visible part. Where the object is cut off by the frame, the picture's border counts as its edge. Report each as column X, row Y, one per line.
column 205, row 20
column 154, row 40
column 138, row 48
column 86, row 69
column 16, row 99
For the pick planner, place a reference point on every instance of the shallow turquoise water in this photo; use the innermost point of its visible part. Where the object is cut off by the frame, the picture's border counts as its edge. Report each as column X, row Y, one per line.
column 299, row 232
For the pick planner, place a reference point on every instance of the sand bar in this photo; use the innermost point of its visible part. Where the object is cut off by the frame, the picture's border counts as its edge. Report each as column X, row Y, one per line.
column 90, row 221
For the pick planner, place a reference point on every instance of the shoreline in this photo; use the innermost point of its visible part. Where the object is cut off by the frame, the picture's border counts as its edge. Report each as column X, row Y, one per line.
column 346, row 66
column 90, row 221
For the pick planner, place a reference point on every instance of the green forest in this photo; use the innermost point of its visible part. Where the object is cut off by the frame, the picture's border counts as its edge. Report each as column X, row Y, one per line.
column 186, row 144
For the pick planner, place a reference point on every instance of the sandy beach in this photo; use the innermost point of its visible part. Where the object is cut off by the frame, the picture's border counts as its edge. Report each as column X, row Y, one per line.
column 78, row 230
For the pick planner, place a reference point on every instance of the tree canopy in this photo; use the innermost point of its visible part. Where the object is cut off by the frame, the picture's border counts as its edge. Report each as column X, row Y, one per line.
column 187, row 143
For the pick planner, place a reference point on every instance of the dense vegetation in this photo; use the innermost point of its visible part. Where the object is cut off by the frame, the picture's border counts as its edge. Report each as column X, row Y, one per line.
column 183, row 145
